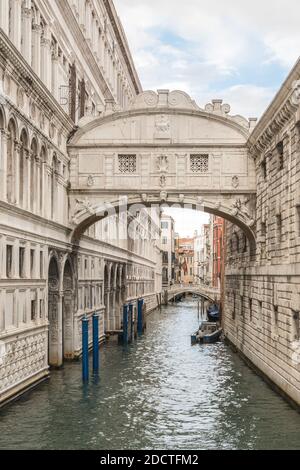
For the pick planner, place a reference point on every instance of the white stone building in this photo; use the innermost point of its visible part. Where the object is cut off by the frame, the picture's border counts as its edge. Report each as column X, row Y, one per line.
column 198, row 256
column 62, row 62
column 168, row 250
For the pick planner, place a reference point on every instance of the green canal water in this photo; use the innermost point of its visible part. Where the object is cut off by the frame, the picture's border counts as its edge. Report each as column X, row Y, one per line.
column 159, row 393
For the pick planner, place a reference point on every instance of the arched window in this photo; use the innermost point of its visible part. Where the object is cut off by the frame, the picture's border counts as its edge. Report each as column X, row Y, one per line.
column 22, row 169
column 10, row 189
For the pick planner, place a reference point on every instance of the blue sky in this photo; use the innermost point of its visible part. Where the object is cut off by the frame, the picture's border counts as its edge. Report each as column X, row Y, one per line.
column 236, row 50
column 230, row 49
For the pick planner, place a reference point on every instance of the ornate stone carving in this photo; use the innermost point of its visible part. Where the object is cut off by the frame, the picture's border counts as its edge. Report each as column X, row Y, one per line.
column 162, row 127
column 163, row 196
column 90, row 181
column 7, row 84
column 32, row 110
column 216, row 107
column 162, row 181
column 235, row 182
column 295, row 99
column 42, row 121
column 144, row 197
column 20, row 97
column 180, row 99
column 162, row 164
column 240, row 208
column 81, row 205
column 52, row 131
column 162, row 167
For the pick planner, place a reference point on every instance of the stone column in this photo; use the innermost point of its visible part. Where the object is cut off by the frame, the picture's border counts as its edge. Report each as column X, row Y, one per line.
column 26, row 171
column 26, row 269
column 46, row 72
column 16, row 23
column 27, row 182
column 17, row 172
column 37, row 185
column 4, row 7
column 82, row 17
column 33, row 187
column 47, row 190
column 3, row 163
column 2, row 259
column 42, row 188
column 54, row 67
column 101, row 50
column 36, row 42
column 26, row 33
column 60, row 358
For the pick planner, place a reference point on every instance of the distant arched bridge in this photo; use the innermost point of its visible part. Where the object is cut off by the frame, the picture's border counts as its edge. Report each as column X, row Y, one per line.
column 209, row 293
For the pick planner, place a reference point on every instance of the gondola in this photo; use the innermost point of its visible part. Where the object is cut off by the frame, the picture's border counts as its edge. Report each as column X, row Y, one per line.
column 213, row 313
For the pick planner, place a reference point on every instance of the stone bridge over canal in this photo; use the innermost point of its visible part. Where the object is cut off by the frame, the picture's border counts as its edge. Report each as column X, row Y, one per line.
column 163, row 150
column 206, row 292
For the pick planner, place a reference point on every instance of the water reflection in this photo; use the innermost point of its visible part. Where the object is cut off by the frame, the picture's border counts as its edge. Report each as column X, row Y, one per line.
column 159, row 393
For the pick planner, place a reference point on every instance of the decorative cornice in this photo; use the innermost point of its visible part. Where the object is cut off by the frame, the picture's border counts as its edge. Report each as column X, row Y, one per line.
column 275, row 126
column 157, row 111
column 120, row 36
column 281, row 110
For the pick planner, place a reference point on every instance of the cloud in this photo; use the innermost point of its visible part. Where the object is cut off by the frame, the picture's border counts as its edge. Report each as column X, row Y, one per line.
column 234, row 50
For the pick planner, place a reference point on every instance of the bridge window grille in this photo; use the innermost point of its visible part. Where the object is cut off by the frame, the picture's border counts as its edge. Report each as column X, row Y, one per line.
column 127, row 164
column 199, row 163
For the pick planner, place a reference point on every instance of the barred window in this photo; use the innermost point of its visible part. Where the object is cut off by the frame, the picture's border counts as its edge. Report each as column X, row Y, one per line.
column 127, row 163
column 199, row 163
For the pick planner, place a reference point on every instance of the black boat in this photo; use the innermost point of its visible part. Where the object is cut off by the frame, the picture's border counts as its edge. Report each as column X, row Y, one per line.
column 213, row 312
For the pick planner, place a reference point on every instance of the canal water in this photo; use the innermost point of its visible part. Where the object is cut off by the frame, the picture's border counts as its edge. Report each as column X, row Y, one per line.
column 159, row 393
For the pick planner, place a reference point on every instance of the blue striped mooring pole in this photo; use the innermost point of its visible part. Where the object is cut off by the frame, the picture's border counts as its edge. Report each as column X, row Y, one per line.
column 131, row 323
column 125, row 324
column 140, row 316
column 95, row 342
column 85, row 349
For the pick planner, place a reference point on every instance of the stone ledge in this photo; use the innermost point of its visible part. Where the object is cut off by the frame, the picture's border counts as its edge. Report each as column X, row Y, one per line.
column 16, row 392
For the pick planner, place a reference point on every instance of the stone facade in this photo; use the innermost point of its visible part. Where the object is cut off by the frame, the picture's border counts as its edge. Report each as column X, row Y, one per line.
column 79, row 140
column 61, row 64
column 262, row 288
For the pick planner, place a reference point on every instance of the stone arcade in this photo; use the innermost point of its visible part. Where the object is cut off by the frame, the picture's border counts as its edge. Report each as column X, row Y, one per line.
column 79, row 138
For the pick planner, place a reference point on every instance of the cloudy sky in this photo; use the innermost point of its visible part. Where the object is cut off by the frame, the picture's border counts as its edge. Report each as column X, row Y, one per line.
column 239, row 51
